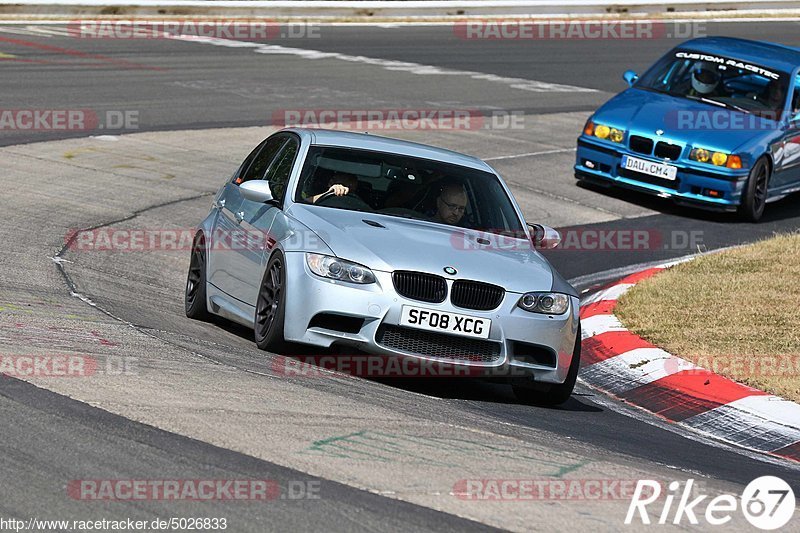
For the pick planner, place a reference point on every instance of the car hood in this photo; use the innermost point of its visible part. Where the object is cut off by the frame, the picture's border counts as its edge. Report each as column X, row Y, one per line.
column 405, row 244
column 682, row 120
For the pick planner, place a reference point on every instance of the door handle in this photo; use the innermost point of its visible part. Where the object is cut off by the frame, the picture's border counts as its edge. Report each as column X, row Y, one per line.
column 219, row 204
column 239, row 216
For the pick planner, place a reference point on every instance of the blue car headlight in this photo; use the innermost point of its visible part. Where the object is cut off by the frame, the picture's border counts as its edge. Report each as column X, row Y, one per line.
column 548, row 303
column 601, row 131
column 718, row 159
column 330, row 267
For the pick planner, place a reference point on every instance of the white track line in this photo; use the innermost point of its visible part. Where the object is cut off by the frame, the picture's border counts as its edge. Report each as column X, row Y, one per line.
column 388, row 64
column 530, row 154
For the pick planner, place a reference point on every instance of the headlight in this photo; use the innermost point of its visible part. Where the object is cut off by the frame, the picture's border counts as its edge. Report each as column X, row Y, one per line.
column 335, row 268
column 601, row 131
column 548, row 303
column 719, row 159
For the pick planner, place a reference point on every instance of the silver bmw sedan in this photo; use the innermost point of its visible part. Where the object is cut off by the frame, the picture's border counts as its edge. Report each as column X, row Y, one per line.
column 392, row 248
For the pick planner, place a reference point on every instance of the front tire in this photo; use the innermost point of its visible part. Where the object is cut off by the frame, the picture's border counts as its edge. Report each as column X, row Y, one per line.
column 754, row 196
column 529, row 392
column 194, row 300
column 271, row 306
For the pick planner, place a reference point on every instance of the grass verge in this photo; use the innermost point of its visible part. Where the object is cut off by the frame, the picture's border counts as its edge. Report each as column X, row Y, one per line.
column 736, row 313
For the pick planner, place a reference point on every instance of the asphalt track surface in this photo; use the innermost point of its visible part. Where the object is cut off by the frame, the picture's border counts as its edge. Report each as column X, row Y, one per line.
column 203, row 402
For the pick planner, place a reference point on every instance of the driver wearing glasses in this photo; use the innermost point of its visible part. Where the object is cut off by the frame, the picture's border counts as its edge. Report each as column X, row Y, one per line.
column 451, row 204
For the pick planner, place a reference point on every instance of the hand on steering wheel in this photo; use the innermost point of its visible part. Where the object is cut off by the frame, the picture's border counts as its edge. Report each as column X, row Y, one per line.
column 338, row 189
column 335, row 190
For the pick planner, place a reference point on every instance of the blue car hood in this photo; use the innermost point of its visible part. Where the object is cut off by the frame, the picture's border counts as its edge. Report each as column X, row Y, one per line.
column 644, row 112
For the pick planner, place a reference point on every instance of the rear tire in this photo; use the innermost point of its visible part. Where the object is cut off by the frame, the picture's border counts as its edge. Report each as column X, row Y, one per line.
column 754, row 196
column 530, row 392
column 271, row 306
column 195, row 304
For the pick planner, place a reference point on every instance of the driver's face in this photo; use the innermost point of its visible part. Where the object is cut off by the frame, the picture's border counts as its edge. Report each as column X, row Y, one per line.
column 451, row 206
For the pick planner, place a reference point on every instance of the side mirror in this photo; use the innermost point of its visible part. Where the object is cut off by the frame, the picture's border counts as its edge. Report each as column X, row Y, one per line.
column 256, row 191
column 544, row 237
column 630, row 76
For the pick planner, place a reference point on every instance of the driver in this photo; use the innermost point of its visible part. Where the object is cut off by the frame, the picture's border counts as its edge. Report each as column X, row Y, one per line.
column 705, row 80
column 340, row 184
column 451, row 204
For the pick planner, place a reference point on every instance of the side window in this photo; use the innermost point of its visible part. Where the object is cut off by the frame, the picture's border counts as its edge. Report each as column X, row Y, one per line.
column 262, row 160
column 278, row 174
column 246, row 163
column 796, row 95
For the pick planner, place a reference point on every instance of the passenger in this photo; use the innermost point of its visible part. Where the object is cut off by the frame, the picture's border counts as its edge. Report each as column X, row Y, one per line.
column 775, row 97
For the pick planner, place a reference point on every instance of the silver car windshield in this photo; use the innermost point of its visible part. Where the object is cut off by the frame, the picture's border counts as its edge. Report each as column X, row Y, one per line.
column 409, row 187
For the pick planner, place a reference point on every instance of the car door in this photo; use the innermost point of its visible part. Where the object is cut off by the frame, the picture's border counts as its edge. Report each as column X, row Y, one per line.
column 258, row 222
column 230, row 240
column 787, row 152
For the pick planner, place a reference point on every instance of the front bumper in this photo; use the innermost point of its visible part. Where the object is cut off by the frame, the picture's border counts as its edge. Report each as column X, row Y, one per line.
column 601, row 164
column 375, row 310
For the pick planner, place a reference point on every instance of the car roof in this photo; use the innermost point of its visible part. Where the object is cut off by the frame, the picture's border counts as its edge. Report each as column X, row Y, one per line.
column 377, row 143
column 773, row 55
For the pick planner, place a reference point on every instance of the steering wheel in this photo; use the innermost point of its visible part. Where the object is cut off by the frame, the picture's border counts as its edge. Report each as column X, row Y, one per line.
column 348, row 201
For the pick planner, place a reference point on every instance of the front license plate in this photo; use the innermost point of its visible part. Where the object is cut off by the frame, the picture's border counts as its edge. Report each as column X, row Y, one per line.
column 651, row 168
column 469, row 326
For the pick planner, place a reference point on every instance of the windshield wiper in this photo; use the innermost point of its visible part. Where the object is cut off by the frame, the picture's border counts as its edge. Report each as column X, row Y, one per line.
column 718, row 103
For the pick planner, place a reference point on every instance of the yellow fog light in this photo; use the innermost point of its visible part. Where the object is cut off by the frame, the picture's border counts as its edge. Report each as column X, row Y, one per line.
column 719, row 158
column 616, row 135
column 602, row 131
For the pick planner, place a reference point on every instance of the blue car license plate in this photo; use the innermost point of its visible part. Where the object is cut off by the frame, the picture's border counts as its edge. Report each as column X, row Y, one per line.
column 651, row 168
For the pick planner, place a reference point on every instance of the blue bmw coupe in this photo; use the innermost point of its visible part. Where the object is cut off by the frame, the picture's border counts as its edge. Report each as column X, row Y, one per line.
column 715, row 123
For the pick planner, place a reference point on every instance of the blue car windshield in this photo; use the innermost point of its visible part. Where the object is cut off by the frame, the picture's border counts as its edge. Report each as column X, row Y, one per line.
column 719, row 81
column 408, row 187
